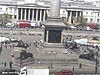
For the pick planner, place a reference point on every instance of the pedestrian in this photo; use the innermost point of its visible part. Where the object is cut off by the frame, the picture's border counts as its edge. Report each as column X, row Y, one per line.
column 80, row 66
column 10, row 46
column 73, row 68
column 71, row 52
column 5, row 64
column 13, row 45
column 51, row 66
column 5, row 45
column 30, row 44
column 85, row 52
column 10, row 65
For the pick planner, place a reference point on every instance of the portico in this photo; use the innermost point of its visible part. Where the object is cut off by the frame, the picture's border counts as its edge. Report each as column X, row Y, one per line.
column 33, row 14
column 73, row 16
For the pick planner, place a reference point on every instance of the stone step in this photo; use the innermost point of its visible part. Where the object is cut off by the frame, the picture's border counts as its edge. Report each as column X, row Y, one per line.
column 53, row 45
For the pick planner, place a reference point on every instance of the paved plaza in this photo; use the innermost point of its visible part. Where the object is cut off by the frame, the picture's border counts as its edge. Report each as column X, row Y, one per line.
column 52, row 58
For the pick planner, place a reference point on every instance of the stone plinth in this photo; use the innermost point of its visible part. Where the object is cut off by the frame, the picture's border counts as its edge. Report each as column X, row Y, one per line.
column 53, row 30
column 54, row 25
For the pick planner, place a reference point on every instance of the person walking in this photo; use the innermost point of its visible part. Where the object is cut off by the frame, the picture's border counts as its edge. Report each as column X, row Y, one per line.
column 80, row 66
column 10, row 65
column 5, row 64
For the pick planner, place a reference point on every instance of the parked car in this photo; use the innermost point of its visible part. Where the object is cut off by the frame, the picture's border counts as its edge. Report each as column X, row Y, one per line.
column 64, row 72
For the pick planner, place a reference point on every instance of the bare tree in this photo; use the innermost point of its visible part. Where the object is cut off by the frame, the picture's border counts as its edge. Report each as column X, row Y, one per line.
column 4, row 18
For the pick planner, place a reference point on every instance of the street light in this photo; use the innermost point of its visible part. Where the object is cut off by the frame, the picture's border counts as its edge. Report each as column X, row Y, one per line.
column 20, row 62
column 97, row 63
column 1, row 45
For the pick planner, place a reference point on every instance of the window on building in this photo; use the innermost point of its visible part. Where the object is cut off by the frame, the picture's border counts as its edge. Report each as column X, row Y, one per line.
column 10, row 9
column 98, row 14
column 0, row 9
column 6, row 9
column 86, row 12
column 91, row 20
column 15, row 10
column 63, row 12
column 86, row 19
column 91, row 12
column 98, row 20
column 15, row 17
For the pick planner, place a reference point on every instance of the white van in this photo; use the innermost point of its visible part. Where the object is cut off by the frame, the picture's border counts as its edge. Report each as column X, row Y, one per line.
column 10, row 25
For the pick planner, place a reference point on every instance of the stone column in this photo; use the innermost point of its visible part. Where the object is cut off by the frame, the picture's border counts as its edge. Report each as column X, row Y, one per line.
column 80, row 13
column 21, row 13
column 33, row 15
column 96, row 14
column 70, row 17
column 48, row 12
column 55, row 8
column 36, row 14
column 13, row 16
column 94, row 17
column 66, row 14
column 75, row 20
column 71, row 14
column 25, row 15
column 40, row 14
column 44, row 15
column 62, row 37
column 47, row 36
column 17, row 14
column 76, row 14
column 29, row 14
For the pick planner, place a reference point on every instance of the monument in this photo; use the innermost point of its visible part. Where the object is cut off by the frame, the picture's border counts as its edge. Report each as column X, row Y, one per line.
column 54, row 25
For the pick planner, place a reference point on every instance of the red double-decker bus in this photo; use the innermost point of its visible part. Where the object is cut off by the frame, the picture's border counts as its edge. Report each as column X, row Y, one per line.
column 23, row 23
column 92, row 25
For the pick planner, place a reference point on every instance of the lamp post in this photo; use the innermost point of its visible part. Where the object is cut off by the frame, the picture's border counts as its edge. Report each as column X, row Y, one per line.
column 1, row 45
column 20, row 62
column 97, row 63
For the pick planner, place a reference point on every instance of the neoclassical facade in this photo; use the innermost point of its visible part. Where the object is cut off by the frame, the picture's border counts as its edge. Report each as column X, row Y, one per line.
column 31, row 12
column 39, row 13
column 36, row 12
